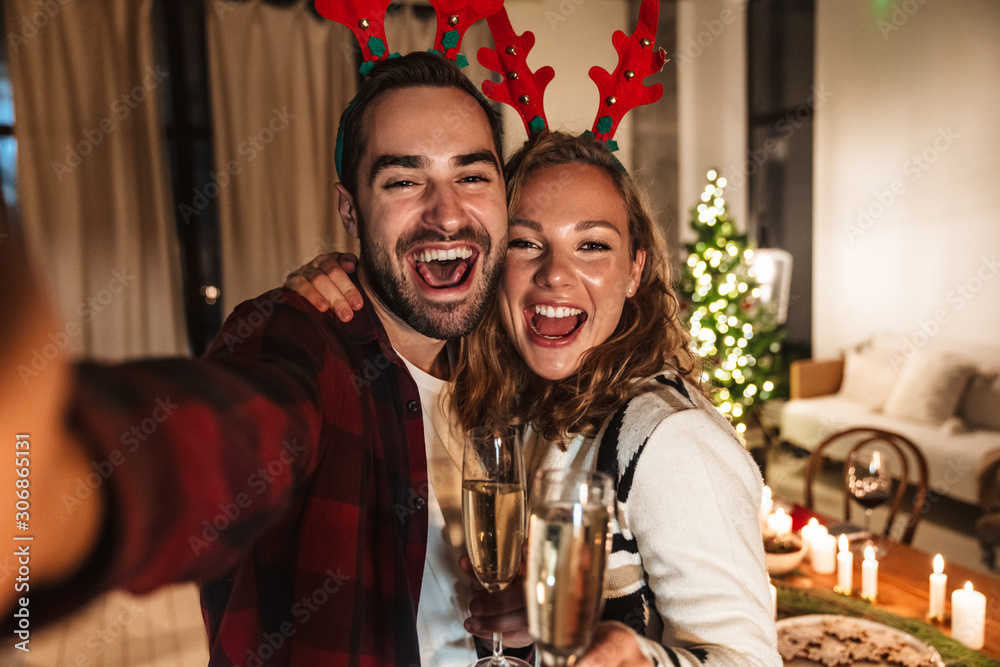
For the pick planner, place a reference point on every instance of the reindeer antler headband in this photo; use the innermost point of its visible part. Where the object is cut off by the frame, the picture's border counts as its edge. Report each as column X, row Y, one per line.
column 621, row 91
column 366, row 19
column 521, row 88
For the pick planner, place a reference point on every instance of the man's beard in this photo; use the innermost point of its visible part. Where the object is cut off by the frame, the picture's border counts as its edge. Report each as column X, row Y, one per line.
column 442, row 321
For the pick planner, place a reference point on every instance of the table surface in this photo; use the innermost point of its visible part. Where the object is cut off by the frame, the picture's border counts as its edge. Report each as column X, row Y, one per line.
column 904, row 583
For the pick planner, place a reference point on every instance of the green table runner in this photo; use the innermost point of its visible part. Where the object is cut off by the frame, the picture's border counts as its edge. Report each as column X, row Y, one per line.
column 799, row 602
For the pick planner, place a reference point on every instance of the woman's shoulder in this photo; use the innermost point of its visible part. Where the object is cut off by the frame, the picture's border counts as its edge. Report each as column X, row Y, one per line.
column 660, row 402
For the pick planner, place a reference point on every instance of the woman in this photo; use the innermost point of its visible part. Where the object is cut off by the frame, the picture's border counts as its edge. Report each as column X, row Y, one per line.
column 584, row 348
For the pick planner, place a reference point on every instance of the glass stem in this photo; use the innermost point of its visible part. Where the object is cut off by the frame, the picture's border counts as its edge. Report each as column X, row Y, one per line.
column 498, row 659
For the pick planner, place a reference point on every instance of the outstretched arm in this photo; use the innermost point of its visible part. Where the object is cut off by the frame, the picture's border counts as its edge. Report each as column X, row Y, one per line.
column 41, row 456
column 124, row 467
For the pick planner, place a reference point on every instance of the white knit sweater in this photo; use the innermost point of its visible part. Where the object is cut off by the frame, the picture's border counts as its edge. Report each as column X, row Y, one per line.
column 687, row 569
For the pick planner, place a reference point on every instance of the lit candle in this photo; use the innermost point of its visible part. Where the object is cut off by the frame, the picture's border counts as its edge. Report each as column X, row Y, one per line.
column 809, row 531
column 845, row 567
column 968, row 616
column 869, row 575
column 779, row 523
column 766, row 504
column 774, row 599
column 939, row 583
column 824, row 555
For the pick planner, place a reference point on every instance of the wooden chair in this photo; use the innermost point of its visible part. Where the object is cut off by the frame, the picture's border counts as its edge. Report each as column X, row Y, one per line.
column 862, row 436
column 988, row 525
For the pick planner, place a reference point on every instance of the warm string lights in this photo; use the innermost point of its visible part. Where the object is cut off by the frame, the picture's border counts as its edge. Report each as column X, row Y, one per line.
column 728, row 329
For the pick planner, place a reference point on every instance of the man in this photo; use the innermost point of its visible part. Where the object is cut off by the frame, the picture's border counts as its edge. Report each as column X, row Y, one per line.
column 289, row 468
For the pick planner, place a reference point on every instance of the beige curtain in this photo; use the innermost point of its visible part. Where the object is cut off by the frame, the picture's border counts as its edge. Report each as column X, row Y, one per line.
column 280, row 78
column 93, row 188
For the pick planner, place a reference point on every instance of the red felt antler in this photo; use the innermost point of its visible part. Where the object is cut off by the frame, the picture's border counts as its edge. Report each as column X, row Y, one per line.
column 638, row 57
column 365, row 18
column 454, row 17
column 521, row 88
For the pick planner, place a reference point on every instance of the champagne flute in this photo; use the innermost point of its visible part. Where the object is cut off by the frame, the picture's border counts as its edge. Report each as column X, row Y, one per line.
column 568, row 548
column 493, row 500
column 870, row 482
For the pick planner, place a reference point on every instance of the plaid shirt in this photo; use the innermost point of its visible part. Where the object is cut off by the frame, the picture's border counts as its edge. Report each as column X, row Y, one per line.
column 287, row 473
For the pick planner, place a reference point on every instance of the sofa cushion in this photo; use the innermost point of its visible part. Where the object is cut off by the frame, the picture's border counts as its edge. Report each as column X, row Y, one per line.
column 981, row 406
column 869, row 378
column 929, row 388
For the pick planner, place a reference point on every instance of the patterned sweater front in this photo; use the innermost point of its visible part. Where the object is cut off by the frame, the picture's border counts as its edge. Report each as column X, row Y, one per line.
column 686, row 570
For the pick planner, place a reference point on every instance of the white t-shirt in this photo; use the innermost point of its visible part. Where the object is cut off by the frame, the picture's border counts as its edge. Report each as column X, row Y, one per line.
column 444, row 592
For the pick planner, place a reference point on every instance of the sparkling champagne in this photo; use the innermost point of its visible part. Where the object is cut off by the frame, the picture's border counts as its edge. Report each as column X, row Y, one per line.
column 567, row 546
column 493, row 515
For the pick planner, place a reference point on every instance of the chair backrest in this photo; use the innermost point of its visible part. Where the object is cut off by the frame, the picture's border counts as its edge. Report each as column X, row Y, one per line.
column 862, row 436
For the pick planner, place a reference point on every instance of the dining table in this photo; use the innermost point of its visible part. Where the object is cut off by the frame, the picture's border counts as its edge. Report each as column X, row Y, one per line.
column 903, row 584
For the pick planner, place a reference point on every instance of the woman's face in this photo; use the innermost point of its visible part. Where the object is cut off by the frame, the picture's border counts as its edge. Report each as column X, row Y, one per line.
column 568, row 269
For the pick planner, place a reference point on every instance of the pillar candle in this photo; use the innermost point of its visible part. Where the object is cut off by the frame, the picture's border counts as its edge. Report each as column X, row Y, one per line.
column 779, row 523
column 809, row 531
column 824, row 558
column 766, row 504
column 869, row 575
column 939, row 584
column 968, row 616
column 774, row 599
column 845, row 567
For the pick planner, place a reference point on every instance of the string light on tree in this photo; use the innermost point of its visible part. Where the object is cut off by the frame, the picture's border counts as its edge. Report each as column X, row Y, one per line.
column 738, row 339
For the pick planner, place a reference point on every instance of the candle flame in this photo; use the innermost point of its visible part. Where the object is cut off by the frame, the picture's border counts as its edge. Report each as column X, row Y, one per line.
column 842, row 544
column 813, row 522
column 869, row 553
column 968, row 586
column 938, row 564
column 780, row 512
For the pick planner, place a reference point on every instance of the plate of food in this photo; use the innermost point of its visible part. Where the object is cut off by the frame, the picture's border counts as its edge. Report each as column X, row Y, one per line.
column 831, row 640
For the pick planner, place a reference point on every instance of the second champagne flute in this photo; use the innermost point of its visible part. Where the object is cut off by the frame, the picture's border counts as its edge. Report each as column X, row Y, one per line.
column 493, row 500
column 568, row 548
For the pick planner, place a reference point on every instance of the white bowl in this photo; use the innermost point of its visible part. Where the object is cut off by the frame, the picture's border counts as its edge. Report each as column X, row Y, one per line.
column 782, row 563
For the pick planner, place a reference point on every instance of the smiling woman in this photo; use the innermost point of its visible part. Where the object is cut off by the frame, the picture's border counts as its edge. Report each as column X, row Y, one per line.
column 581, row 237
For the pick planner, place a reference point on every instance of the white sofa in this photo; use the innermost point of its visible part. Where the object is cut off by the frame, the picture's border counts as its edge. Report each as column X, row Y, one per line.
column 944, row 396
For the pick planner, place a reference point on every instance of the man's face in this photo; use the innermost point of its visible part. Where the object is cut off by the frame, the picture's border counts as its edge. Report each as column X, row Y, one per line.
column 430, row 209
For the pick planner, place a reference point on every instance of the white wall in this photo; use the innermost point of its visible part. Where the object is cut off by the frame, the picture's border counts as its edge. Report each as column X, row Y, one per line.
column 571, row 36
column 712, row 107
column 906, row 194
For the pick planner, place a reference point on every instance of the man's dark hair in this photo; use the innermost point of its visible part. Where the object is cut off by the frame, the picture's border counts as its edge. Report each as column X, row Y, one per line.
column 414, row 69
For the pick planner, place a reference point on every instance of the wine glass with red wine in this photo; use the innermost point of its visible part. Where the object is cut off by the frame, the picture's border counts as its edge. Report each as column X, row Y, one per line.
column 869, row 481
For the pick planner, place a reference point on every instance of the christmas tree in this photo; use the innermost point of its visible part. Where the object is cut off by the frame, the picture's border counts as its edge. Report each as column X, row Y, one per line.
column 736, row 335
